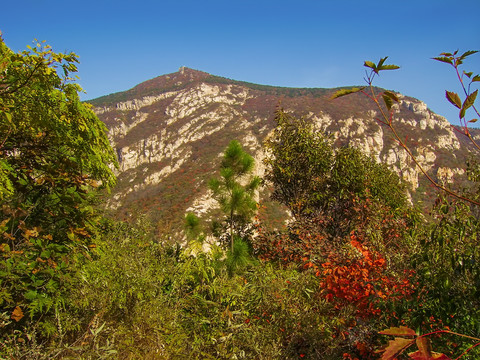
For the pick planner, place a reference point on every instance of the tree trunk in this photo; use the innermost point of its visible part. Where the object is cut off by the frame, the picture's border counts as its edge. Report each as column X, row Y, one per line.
column 231, row 230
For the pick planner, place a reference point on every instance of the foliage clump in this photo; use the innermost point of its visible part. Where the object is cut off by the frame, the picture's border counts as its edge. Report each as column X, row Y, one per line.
column 54, row 156
column 309, row 177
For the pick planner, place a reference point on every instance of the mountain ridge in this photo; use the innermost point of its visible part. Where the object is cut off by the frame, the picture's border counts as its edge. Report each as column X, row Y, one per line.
column 169, row 131
column 185, row 74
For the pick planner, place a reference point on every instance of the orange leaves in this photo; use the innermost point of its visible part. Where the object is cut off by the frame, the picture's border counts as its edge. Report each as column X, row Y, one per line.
column 308, row 265
column 352, row 275
column 360, row 280
column 424, row 348
column 30, row 233
column 396, row 347
column 17, row 314
column 404, row 338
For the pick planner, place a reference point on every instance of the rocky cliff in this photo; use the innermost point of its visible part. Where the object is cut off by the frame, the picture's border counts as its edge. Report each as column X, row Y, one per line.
column 169, row 133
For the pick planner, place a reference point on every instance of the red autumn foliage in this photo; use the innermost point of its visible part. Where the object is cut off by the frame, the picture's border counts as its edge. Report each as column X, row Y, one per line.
column 361, row 279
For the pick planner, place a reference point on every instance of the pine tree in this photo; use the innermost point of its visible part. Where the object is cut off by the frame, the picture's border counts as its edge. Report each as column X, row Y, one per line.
column 236, row 200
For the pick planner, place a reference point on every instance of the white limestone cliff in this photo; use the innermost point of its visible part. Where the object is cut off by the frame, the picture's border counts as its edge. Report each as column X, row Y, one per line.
column 202, row 111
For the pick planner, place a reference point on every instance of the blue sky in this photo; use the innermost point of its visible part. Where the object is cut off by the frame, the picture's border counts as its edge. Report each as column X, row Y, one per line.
column 298, row 43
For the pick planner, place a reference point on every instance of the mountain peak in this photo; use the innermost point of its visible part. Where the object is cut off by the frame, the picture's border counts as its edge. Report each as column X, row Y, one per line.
column 189, row 74
column 172, row 81
column 184, row 70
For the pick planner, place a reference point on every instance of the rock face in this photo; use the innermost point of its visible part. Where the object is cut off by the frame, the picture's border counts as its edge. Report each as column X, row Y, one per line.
column 169, row 133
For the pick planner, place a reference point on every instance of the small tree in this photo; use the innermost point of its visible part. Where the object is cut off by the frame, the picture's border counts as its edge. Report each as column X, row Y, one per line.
column 310, row 178
column 236, row 200
column 54, row 154
column 297, row 161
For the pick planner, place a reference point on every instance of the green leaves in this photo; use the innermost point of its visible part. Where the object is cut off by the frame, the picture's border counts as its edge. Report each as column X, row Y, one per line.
column 6, row 186
column 469, row 101
column 236, row 159
column 389, row 98
column 454, row 99
column 344, row 92
column 444, row 59
column 459, row 60
column 380, row 66
column 369, row 64
column 192, row 226
column 53, row 148
column 299, row 159
column 309, row 177
column 453, row 59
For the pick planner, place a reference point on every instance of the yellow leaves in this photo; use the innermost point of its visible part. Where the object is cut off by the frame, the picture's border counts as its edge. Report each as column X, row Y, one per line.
column 49, row 262
column 52, row 263
column 404, row 337
column 3, row 224
column 40, row 134
column 8, row 236
column 424, row 349
column 73, row 234
column 344, row 92
column 399, row 331
column 81, row 231
column 93, row 183
column 40, row 181
column 65, row 118
column 49, row 70
column 17, row 314
column 30, row 233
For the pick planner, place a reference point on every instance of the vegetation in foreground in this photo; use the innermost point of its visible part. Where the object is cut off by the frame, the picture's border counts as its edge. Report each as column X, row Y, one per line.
column 355, row 258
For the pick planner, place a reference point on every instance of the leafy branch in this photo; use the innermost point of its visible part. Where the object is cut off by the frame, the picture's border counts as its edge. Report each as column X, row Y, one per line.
column 389, row 99
column 470, row 97
column 406, row 337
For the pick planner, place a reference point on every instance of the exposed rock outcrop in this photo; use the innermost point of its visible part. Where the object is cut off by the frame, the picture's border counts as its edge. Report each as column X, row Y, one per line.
column 170, row 131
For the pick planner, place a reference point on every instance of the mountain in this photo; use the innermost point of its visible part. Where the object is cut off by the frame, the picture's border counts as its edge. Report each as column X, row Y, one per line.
column 169, row 133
